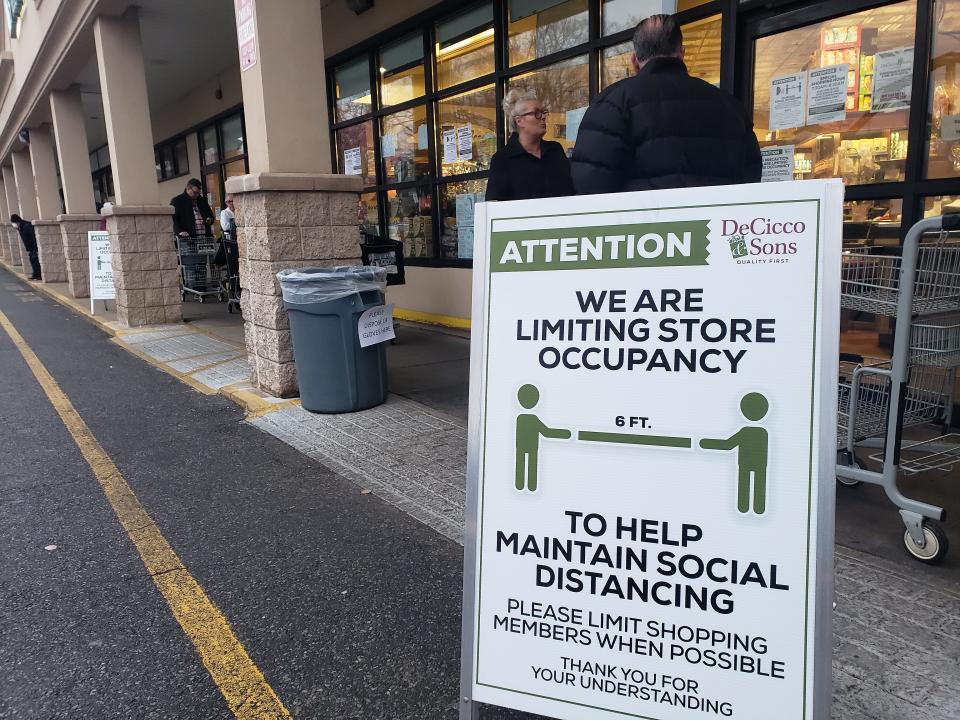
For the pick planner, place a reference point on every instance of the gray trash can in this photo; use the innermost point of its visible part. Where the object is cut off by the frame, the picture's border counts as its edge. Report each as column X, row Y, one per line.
column 324, row 305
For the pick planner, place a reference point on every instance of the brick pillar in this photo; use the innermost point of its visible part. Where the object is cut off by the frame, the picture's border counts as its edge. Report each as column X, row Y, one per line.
column 144, row 262
column 287, row 221
column 73, row 234
column 50, row 248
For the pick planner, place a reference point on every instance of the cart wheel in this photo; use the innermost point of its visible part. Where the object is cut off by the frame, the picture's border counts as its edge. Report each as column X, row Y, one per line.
column 183, row 296
column 849, row 459
column 936, row 545
column 201, row 298
column 219, row 298
column 230, row 308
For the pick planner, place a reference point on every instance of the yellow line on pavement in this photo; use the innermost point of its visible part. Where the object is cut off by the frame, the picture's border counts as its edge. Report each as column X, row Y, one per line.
column 243, row 686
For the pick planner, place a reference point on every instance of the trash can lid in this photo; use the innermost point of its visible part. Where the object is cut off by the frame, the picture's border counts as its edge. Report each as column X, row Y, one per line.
column 324, row 284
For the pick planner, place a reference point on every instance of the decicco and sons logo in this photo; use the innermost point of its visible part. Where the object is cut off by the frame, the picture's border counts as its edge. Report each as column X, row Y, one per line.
column 761, row 240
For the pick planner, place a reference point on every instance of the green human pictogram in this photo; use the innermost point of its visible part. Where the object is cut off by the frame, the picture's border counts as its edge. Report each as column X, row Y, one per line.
column 751, row 443
column 529, row 430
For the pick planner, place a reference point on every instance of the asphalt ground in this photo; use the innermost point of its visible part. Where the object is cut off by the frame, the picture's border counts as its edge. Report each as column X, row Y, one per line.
column 350, row 608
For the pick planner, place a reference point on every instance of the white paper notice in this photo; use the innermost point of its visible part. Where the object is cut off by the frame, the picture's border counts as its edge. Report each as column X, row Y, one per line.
column 450, row 145
column 777, row 163
column 892, row 79
column 827, row 94
column 422, row 141
column 465, row 142
column 787, row 94
column 351, row 161
column 574, row 118
column 950, row 127
column 101, row 267
column 388, row 145
column 376, row 325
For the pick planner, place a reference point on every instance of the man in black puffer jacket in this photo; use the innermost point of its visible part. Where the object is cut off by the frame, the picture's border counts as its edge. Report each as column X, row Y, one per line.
column 663, row 128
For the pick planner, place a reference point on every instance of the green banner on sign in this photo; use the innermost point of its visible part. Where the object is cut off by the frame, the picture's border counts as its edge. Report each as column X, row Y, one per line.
column 607, row 246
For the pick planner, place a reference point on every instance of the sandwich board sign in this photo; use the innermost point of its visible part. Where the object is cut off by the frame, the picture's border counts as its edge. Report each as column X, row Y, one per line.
column 651, row 452
column 101, row 267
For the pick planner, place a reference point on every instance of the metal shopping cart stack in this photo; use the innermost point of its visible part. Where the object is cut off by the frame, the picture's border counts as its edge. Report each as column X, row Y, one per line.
column 879, row 399
column 198, row 275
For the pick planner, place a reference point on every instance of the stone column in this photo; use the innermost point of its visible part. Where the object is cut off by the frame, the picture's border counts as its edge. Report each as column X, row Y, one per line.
column 73, row 234
column 49, row 244
column 4, row 220
column 144, row 263
column 144, row 257
column 70, row 134
column 9, row 235
column 27, row 194
column 286, row 128
column 287, row 221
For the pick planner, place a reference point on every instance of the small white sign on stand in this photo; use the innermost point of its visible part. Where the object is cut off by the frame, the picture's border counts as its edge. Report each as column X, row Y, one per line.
column 101, row 267
column 376, row 326
column 652, row 444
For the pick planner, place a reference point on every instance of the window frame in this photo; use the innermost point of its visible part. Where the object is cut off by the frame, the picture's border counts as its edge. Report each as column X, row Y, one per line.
column 218, row 167
column 172, row 144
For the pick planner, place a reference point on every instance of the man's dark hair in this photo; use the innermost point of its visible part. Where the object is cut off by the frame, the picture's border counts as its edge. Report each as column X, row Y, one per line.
column 193, row 182
column 657, row 36
column 15, row 218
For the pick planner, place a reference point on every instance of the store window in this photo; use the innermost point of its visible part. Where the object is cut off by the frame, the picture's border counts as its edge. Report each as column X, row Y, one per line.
column 369, row 213
column 171, row 159
column 701, row 39
column 355, row 152
column 563, row 89
column 467, row 131
column 224, row 151
column 856, row 131
column 872, row 222
column 619, row 15
column 101, row 176
column 351, row 83
column 943, row 122
column 405, row 145
column 409, row 220
column 457, row 201
column 402, row 76
column 464, row 48
column 539, row 28
column 941, row 205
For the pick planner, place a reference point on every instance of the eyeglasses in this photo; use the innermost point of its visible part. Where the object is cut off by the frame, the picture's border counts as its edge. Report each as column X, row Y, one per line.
column 538, row 114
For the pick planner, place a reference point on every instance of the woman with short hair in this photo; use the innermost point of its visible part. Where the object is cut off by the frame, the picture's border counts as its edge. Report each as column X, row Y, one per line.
column 528, row 166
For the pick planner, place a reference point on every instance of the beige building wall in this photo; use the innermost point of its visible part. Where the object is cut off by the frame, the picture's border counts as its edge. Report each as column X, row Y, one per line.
column 441, row 295
column 342, row 28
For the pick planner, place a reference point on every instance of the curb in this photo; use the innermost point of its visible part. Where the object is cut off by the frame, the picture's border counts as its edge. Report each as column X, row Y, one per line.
column 253, row 402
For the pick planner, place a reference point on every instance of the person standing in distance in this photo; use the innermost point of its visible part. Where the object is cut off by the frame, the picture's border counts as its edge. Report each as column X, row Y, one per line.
column 28, row 237
column 663, row 128
column 528, row 166
column 192, row 216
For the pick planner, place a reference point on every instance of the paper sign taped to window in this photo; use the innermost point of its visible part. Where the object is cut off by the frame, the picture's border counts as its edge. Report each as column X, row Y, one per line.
column 376, row 325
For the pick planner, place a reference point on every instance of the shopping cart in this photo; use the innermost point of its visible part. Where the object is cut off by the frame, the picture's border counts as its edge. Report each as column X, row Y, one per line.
column 198, row 275
column 879, row 399
column 231, row 283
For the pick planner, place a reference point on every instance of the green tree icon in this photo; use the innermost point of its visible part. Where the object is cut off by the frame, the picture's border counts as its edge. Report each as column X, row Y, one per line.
column 529, row 430
column 751, row 443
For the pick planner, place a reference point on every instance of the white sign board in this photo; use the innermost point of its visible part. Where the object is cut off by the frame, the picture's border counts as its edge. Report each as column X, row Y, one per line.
column 246, row 33
column 892, row 79
column 950, row 128
column 652, row 454
column 376, row 325
column 352, row 164
column 450, row 145
column 827, row 94
column 787, row 95
column 777, row 163
column 101, row 267
column 465, row 142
